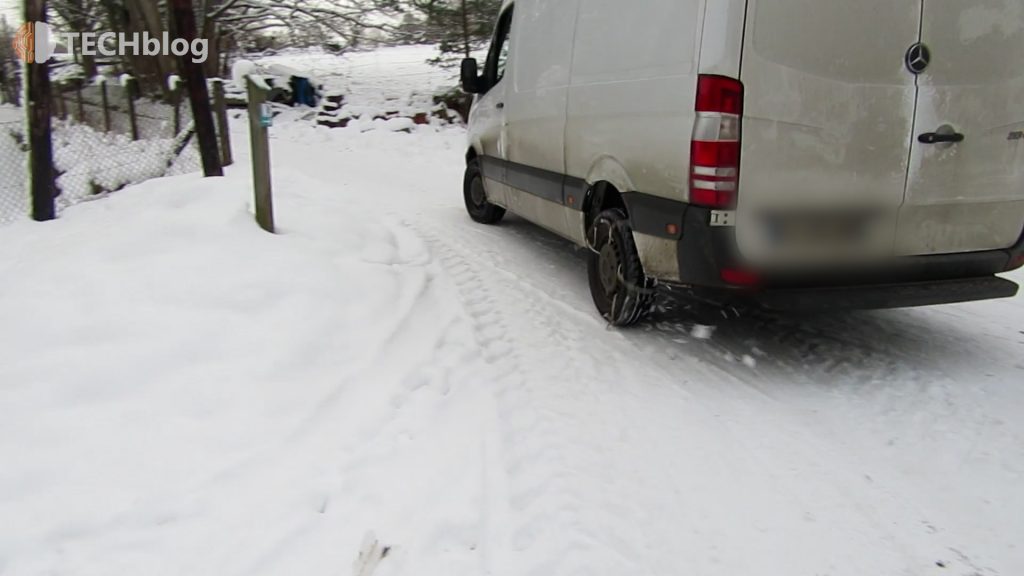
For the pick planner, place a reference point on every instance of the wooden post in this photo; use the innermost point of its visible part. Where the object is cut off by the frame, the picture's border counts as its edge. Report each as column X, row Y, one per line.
column 106, row 105
column 129, row 92
column 260, row 157
column 80, row 102
column 198, row 92
column 220, row 106
column 176, row 97
column 44, row 189
column 62, row 105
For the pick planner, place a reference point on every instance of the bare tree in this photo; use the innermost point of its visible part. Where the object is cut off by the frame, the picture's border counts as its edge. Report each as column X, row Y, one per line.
column 78, row 16
column 225, row 24
column 340, row 23
column 458, row 26
column 10, row 77
column 195, row 78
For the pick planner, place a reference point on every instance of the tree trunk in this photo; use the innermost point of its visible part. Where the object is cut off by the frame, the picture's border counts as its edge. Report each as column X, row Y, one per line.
column 152, row 71
column 80, row 25
column 211, row 32
column 44, row 189
column 467, row 41
column 199, row 95
column 89, row 66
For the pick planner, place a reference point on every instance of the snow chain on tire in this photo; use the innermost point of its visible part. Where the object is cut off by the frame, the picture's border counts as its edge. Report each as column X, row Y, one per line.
column 641, row 294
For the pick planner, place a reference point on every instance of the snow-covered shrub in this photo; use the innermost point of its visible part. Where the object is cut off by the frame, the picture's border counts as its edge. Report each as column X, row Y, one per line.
column 91, row 162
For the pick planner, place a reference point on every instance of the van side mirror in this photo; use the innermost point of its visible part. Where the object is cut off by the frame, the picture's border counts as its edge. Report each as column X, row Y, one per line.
column 472, row 82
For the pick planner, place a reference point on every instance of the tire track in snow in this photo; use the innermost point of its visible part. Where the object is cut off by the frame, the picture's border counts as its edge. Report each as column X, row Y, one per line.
column 579, row 493
column 569, row 523
column 538, row 438
column 783, row 446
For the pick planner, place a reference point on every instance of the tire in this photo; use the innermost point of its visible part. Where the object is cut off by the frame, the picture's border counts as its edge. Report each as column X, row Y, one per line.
column 622, row 292
column 480, row 210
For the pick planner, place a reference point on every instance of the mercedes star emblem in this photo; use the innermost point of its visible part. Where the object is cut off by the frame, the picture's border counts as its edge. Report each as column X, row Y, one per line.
column 918, row 58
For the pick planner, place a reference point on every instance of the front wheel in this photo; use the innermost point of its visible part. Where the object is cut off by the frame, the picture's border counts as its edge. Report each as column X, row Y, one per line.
column 480, row 210
column 622, row 292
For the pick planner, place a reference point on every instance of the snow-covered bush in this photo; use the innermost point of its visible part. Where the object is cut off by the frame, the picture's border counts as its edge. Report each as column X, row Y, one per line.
column 90, row 162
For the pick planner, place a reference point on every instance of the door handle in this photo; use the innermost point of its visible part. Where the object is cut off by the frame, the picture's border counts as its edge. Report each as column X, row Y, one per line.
column 938, row 138
column 500, row 105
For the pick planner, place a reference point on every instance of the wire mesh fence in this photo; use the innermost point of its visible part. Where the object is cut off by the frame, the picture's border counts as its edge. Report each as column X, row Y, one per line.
column 105, row 137
column 14, row 195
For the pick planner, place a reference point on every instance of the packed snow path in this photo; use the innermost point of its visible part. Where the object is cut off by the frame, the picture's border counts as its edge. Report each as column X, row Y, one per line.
column 182, row 394
column 200, row 398
column 875, row 442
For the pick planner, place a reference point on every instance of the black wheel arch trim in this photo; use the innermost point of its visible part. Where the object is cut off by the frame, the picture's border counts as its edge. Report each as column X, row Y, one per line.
column 652, row 215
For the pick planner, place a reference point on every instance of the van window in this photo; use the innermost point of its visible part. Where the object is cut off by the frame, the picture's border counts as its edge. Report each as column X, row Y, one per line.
column 497, row 60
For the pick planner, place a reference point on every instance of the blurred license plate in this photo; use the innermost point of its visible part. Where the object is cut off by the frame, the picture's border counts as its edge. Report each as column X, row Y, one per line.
column 817, row 229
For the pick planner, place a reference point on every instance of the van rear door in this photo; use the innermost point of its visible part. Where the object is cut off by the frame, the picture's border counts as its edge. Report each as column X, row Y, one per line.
column 969, row 195
column 827, row 127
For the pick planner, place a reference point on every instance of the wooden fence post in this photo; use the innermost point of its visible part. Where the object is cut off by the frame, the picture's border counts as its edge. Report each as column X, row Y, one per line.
column 220, row 106
column 62, row 105
column 260, row 156
column 80, row 102
column 106, row 104
column 129, row 89
column 176, row 97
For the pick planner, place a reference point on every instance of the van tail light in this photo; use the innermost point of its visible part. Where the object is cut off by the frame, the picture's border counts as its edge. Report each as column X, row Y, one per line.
column 743, row 278
column 715, row 149
column 1016, row 263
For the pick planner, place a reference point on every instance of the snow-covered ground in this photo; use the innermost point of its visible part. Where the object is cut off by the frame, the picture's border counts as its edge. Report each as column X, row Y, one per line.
column 183, row 394
column 374, row 80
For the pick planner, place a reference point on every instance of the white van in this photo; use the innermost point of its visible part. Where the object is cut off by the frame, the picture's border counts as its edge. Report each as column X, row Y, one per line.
column 798, row 153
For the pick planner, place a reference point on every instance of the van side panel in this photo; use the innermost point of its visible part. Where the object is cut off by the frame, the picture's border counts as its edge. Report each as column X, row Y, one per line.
column 536, row 111
column 631, row 96
column 722, row 39
column 969, row 196
column 827, row 126
column 541, row 61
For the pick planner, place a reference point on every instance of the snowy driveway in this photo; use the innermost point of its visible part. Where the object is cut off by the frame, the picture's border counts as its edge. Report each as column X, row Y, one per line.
column 857, row 443
column 180, row 394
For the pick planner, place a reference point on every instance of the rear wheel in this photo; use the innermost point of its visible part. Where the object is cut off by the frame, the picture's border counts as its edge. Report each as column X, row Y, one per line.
column 622, row 292
column 480, row 210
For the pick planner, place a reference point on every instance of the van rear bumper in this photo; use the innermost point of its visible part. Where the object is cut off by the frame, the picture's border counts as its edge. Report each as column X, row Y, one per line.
column 704, row 251
column 884, row 296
